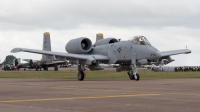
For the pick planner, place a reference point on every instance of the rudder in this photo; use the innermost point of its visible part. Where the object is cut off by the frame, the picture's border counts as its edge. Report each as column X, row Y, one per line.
column 99, row 36
column 46, row 45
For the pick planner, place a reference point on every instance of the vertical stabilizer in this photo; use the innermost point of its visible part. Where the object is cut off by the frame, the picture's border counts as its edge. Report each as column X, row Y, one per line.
column 46, row 46
column 99, row 36
column 46, row 42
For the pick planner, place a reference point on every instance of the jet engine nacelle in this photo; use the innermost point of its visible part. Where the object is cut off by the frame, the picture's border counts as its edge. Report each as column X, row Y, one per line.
column 105, row 41
column 79, row 46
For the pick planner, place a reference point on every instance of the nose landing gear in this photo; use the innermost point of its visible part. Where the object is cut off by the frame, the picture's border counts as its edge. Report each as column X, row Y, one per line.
column 133, row 74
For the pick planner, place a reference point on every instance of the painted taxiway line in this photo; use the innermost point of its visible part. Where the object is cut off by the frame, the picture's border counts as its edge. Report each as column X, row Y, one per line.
column 76, row 98
column 91, row 89
column 63, row 88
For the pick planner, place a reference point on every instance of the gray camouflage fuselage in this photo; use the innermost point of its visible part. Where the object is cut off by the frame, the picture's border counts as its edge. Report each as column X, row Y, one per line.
column 125, row 51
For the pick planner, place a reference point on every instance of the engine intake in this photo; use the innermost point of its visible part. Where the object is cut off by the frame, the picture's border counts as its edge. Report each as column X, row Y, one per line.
column 80, row 45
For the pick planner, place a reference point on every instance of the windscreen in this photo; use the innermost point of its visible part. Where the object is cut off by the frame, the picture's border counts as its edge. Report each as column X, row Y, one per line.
column 140, row 40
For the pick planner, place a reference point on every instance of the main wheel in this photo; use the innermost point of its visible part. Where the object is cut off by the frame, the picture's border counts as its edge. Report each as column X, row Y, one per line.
column 46, row 68
column 131, row 75
column 56, row 69
column 137, row 77
column 81, row 75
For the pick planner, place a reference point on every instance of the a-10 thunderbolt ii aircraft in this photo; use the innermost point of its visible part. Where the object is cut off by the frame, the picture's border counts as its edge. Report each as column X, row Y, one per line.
column 108, row 51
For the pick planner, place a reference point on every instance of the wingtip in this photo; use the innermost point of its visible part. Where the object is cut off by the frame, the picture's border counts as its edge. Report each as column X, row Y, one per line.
column 15, row 50
column 189, row 51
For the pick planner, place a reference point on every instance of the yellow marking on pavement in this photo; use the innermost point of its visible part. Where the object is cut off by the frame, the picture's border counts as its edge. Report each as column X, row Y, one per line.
column 66, row 88
column 188, row 94
column 76, row 98
column 92, row 89
column 78, row 89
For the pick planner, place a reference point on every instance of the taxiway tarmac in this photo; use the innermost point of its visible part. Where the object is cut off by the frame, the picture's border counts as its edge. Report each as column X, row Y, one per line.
column 95, row 95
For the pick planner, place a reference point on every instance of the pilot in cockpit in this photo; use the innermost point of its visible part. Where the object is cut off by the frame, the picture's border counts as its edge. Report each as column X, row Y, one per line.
column 140, row 40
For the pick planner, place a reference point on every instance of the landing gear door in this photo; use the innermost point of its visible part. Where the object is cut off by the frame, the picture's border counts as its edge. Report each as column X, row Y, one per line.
column 134, row 57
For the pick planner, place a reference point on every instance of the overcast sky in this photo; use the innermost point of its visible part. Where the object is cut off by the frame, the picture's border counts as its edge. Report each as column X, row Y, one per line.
column 167, row 24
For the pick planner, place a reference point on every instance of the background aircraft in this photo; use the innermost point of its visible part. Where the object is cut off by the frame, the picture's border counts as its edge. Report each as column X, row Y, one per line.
column 108, row 51
column 39, row 64
column 46, row 61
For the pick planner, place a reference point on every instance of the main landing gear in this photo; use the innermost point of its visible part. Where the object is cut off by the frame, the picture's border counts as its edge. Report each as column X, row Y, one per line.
column 38, row 68
column 45, row 68
column 133, row 75
column 81, row 73
column 56, row 68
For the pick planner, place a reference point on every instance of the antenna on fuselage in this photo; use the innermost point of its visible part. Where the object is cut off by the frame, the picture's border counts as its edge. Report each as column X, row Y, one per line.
column 99, row 36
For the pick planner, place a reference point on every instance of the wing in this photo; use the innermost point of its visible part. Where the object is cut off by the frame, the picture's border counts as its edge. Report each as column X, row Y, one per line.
column 174, row 52
column 55, row 62
column 89, row 59
column 28, row 60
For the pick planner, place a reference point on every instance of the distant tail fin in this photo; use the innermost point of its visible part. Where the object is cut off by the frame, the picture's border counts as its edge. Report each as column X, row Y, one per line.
column 46, row 46
column 99, row 36
column 46, row 42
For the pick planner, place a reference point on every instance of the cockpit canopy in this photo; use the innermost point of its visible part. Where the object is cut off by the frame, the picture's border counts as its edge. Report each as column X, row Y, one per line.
column 140, row 40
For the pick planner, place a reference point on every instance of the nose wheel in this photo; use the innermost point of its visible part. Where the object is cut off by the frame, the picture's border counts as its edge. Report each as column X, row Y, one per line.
column 133, row 77
column 130, row 75
column 137, row 77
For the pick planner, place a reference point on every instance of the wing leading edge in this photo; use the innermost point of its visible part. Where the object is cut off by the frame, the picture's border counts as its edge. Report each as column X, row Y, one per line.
column 87, row 57
column 174, row 52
